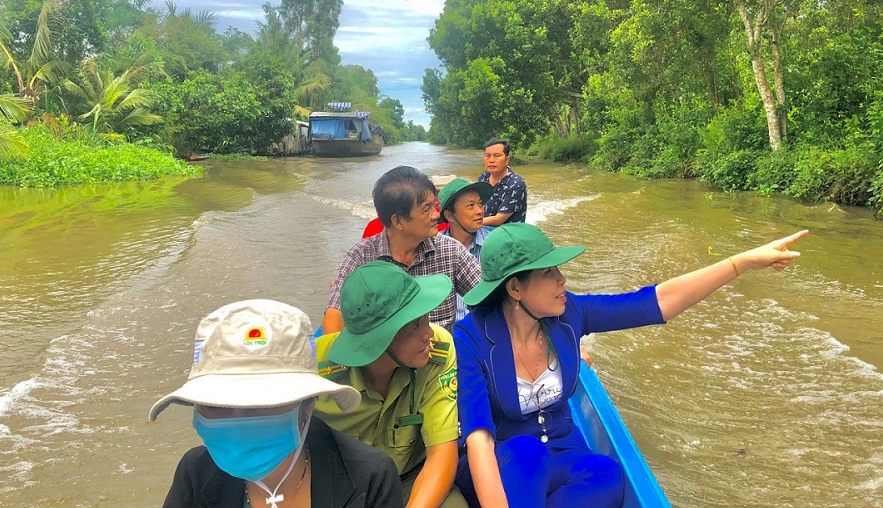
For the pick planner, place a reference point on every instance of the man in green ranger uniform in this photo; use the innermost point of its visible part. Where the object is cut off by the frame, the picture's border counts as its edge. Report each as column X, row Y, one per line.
column 406, row 370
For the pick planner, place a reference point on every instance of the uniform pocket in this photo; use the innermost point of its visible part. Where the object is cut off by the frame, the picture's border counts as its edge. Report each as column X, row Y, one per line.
column 405, row 436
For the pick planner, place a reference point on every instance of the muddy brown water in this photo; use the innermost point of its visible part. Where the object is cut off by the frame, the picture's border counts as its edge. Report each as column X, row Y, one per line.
column 767, row 394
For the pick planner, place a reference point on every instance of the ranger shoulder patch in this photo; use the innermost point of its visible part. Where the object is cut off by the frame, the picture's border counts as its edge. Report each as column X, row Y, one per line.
column 439, row 351
column 331, row 370
column 448, row 382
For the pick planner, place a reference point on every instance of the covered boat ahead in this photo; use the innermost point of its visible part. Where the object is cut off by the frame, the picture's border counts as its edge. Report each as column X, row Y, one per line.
column 340, row 132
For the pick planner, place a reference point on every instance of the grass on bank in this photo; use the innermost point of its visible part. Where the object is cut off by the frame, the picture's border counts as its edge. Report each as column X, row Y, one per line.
column 850, row 175
column 71, row 159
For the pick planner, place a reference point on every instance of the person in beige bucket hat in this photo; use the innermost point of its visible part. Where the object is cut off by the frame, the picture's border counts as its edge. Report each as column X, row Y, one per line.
column 253, row 386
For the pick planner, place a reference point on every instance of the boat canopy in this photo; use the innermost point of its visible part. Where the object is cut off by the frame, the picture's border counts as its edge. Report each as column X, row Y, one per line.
column 339, row 106
column 340, row 126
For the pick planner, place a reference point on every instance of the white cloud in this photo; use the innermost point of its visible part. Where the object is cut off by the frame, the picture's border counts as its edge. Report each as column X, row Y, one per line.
column 387, row 37
column 239, row 14
column 390, row 39
column 366, row 30
column 410, row 81
column 430, row 8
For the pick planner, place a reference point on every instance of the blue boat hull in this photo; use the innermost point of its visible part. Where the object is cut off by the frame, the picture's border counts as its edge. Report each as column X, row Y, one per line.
column 605, row 432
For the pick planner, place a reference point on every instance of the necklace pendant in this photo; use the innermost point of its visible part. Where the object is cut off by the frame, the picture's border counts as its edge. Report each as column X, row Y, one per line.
column 275, row 499
column 544, row 438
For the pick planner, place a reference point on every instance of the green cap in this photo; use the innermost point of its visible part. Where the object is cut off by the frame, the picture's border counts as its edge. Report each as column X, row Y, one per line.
column 448, row 195
column 513, row 248
column 376, row 301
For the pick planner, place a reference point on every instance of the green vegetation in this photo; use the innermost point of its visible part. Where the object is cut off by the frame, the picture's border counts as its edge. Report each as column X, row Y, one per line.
column 70, row 160
column 764, row 95
column 138, row 85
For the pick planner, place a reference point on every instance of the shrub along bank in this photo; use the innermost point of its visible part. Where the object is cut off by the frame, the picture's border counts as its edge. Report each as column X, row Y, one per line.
column 66, row 160
column 851, row 175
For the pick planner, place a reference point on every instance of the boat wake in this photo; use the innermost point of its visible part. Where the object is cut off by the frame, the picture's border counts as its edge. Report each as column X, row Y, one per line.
column 542, row 210
column 361, row 210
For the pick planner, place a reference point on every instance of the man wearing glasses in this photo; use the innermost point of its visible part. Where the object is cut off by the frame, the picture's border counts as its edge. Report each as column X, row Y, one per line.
column 406, row 203
column 406, row 371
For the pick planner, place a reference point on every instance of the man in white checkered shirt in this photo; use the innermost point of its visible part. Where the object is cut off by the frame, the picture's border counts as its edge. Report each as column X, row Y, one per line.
column 406, row 203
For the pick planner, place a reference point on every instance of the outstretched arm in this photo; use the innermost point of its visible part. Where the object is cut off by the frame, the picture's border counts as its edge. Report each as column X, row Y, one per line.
column 678, row 294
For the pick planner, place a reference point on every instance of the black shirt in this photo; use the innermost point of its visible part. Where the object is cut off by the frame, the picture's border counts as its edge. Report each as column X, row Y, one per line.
column 510, row 196
column 345, row 474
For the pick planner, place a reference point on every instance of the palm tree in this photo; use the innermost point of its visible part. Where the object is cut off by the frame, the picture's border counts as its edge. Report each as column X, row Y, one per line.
column 12, row 144
column 42, row 66
column 13, row 109
column 113, row 102
column 204, row 17
column 316, row 81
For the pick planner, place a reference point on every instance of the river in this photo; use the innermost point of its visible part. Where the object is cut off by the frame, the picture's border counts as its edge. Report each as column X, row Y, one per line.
column 767, row 394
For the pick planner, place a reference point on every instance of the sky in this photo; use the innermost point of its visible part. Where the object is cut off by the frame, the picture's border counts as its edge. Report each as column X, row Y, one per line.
column 386, row 36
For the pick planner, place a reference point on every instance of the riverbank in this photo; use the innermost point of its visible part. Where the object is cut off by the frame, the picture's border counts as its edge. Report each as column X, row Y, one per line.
column 766, row 395
column 851, row 175
column 58, row 159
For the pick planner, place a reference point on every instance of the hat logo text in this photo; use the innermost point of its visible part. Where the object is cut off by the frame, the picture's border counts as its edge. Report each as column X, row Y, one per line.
column 255, row 338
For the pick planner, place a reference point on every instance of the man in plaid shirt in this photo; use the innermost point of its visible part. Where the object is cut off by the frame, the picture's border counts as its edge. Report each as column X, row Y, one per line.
column 406, row 202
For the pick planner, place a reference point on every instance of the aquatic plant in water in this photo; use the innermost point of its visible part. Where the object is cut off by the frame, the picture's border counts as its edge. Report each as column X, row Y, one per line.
column 55, row 162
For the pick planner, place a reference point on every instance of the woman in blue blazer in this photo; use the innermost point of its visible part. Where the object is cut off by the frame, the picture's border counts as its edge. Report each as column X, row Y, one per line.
column 519, row 353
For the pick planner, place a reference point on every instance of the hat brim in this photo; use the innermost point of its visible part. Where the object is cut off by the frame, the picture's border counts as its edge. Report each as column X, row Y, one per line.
column 257, row 391
column 360, row 349
column 555, row 257
column 484, row 189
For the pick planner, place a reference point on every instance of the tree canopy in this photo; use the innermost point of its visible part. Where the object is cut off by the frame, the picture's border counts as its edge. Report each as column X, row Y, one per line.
column 672, row 88
column 165, row 76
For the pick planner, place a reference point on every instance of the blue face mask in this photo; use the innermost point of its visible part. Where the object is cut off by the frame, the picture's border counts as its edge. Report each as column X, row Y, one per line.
column 249, row 448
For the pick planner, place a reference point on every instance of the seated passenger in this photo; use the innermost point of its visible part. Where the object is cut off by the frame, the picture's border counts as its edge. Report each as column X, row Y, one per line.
column 405, row 368
column 405, row 201
column 519, row 356
column 460, row 204
column 253, row 386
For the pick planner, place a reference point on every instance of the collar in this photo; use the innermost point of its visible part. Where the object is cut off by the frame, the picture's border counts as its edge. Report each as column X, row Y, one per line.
column 502, row 359
column 481, row 234
column 399, row 381
column 475, row 240
column 425, row 248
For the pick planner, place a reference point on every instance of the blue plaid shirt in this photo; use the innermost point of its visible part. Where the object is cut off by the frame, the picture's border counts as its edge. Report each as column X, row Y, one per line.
column 475, row 250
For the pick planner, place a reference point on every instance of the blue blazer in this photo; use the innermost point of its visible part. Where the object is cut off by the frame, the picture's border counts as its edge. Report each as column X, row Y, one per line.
column 488, row 393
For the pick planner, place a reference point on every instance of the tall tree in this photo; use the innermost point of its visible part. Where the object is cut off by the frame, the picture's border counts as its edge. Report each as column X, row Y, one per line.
column 524, row 49
column 397, row 111
column 184, row 41
column 765, row 20
column 302, row 28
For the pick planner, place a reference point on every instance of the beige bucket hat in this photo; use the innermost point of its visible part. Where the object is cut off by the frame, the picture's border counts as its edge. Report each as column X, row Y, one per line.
column 255, row 353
